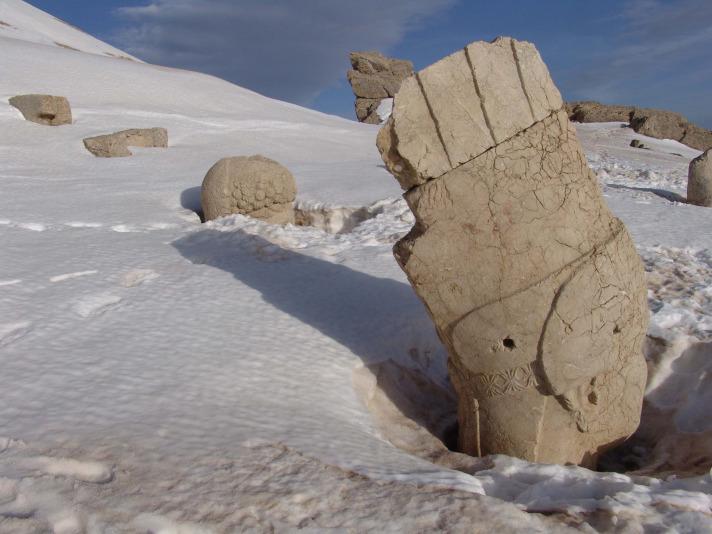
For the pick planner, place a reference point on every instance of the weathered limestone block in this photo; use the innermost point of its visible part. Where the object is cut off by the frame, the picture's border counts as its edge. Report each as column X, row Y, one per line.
column 44, row 109
column 534, row 286
column 117, row 145
column 254, row 186
column 699, row 182
column 373, row 78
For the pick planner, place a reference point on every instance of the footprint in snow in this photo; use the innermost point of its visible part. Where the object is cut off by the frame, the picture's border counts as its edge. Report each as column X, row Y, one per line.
column 137, row 277
column 11, row 332
column 95, row 305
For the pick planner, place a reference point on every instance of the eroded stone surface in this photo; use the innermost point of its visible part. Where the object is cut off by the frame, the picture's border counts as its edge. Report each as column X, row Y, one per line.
column 590, row 111
column 254, row 186
column 535, row 288
column 373, row 78
column 117, row 145
column 699, row 182
column 44, row 109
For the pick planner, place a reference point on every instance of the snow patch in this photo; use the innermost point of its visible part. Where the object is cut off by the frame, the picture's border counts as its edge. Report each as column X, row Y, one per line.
column 69, row 276
column 94, row 472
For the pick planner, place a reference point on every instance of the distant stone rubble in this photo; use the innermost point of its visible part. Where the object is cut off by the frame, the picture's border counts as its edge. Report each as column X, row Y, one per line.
column 48, row 110
column 651, row 122
column 699, row 183
column 116, row 145
column 374, row 78
column 255, row 186
column 535, row 288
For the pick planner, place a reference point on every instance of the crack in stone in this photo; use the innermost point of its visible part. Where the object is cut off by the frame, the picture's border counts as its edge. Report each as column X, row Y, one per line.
column 481, row 154
column 479, row 95
column 435, row 119
column 576, row 264
column 521, row 78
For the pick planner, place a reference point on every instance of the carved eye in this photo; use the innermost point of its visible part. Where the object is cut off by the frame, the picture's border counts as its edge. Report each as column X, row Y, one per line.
column 509, row 343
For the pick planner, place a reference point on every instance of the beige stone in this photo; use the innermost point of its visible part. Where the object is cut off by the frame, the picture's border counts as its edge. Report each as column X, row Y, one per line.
column 375, row 77
column 117, row 145
column 699, row 182
column 254, row 186
column 596, row 112
column 44, row 109
column 534, row 286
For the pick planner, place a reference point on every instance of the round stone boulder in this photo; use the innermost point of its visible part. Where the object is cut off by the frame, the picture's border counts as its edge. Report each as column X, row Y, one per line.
column 256, row 186
column 699, row 182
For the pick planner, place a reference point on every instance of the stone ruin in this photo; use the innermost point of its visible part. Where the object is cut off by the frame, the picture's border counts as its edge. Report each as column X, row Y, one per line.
column 255, row 186
column 656, row 123
column 699, row 181
column 535, row 288
column 373, row 79
column 47, row 110
column 117, row 145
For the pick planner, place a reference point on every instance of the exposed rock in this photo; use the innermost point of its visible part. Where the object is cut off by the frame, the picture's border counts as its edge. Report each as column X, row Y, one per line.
column 373, row 78
column 651, row 122
column 658, row 124
column 116, row 145
column 534, row 286
column 668, row 125
column 699, row 182
column 636, row 143
column 254, row 186
column 44, row 109
column 596, row 112
column 697, row 137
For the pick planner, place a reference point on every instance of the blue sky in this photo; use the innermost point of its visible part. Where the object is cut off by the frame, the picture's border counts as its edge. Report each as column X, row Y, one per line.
column 644, row 52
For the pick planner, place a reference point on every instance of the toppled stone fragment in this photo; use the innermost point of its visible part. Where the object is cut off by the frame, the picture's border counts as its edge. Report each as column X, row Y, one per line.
column 374, row 78
column 254, row 186
column 535, row 288
column 44, row 109
column 699, row 182
column 117, row 145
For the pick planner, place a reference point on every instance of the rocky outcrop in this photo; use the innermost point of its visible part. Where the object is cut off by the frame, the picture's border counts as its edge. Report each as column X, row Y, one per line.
column 699, row 182
column 651, row 122
column 668, row 125
column 373, row 79
column 254, row 186
column 44, row 109
column 117, row 145
column 589, row 111
column 535, row 288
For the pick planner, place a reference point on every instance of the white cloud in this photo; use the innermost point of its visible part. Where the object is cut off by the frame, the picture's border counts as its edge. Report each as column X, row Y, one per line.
column 289, row 49
column 657, row 56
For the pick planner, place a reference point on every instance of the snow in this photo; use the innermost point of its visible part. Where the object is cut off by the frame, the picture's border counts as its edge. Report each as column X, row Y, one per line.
column 159, row 374
column 385, row 108
column 20, row 20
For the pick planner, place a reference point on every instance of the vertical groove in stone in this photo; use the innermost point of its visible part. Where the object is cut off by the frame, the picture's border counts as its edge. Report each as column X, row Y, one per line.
column 479, row 95
column 435, row 119
column 521, row 79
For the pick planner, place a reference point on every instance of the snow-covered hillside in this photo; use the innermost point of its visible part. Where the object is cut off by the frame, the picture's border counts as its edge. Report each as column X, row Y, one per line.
column 162, row 375
column 20, row 20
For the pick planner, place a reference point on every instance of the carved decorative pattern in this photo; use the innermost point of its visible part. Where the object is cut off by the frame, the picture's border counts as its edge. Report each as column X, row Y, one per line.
column 507, row 381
